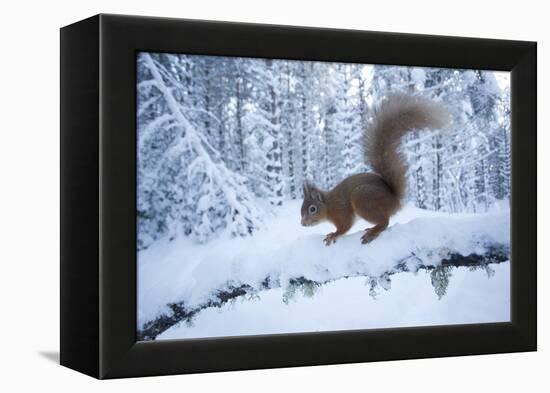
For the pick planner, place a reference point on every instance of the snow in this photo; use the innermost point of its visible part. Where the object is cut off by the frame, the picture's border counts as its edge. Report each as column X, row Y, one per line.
column 503, row 79
column 180, row 270
column 220, row 139
column 418, row 76
column 345, row 304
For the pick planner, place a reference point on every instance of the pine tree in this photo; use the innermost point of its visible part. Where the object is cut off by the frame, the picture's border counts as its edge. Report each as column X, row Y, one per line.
column 186, row 161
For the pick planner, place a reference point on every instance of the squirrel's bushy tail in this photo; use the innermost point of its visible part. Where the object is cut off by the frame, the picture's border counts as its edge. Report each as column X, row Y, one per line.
column 397, row 115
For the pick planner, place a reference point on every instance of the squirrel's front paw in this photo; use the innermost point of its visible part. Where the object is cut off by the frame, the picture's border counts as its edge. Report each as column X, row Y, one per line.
column 331, row 238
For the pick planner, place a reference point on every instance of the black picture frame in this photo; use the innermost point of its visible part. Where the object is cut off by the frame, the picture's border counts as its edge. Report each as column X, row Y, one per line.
column 98, row 196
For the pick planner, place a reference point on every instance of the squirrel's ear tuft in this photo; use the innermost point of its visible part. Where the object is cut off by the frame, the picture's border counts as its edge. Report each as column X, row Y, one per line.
column 316, row 194
column 306, row 188
column 312, row 192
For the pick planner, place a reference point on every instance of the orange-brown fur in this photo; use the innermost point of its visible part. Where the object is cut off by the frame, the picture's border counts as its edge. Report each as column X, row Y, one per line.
column 375, row 197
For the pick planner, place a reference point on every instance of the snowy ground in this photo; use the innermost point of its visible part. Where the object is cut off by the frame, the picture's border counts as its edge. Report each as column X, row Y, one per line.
column 181, row 271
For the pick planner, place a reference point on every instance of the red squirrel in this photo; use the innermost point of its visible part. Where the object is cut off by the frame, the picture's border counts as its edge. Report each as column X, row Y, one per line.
column 377, row 196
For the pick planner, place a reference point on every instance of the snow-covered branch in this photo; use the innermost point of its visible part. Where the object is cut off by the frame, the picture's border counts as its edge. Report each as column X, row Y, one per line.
column 428, row 243
column 179, row 312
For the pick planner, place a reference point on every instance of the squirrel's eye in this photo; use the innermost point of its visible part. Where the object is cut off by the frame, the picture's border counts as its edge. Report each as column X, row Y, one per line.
column 313, row 209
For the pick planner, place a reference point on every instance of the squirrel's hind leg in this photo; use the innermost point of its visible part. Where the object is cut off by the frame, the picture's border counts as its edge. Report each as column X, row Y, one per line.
column 375, row 203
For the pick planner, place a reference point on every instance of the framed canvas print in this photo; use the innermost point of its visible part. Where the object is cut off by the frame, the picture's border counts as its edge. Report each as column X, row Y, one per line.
column 238, row 196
